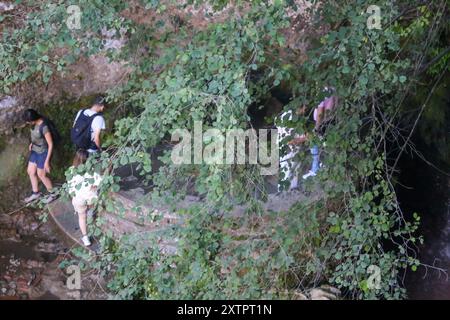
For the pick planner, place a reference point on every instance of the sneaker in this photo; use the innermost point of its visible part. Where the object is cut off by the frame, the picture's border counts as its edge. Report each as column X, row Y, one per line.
column 86, row 241
column 34, row 196
column 50, row 198
column 309, row 174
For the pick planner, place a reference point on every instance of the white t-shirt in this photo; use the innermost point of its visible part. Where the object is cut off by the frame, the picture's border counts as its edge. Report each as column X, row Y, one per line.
column 97, row 124
column 80, row 186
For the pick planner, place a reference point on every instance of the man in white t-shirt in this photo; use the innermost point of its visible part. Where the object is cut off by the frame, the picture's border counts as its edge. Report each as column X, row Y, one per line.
column 97, row 124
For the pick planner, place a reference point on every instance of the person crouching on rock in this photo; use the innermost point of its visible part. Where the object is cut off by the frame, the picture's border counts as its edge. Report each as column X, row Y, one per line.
column 83, row 189
column 41, row 149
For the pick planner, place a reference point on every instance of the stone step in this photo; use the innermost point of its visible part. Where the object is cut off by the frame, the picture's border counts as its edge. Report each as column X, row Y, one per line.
column 150, row 216
column 275, row 202
column 132, row 222
column 63, row 215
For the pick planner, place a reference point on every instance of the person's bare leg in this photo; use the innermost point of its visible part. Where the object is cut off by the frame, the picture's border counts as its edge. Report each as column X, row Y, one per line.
column 31, row 170
column 45, row 180
column 82, row 222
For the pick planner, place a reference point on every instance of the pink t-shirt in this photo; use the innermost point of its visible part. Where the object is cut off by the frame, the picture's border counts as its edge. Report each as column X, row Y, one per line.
column 328, row 104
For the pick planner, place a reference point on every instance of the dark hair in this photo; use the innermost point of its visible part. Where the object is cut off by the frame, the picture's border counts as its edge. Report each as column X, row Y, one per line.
column 99, row 100
column 80, row 157
column 31, row 115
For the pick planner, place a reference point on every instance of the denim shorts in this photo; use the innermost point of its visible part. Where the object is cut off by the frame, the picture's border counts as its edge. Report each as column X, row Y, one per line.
column 38, row 158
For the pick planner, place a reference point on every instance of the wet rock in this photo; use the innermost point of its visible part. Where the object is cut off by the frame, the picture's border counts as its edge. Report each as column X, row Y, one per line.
column 48, row 231
column 48, row 247
column 23, row 222
column 27, row 275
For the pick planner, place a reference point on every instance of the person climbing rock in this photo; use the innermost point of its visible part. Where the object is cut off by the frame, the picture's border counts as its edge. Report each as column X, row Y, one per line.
column 87, row 127
column 322, row 118
column 41, row 150
column 83, row 190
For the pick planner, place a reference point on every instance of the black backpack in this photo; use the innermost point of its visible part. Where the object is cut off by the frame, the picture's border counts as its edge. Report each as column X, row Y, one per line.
column 56, row 137
column 81, row 131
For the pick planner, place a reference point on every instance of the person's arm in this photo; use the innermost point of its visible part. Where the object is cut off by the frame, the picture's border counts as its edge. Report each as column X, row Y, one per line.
column 97, row 139
column 298, row 140
column 319, row 117
column 49, row 139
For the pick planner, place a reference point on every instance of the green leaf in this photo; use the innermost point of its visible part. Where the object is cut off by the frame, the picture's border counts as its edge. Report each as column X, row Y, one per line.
column 41, row 47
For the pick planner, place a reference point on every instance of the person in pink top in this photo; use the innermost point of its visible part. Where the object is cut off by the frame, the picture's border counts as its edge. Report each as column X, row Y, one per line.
column 321, row 118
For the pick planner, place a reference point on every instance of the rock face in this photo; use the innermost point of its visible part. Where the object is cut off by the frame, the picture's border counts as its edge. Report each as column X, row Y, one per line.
column 10, row 112
column 88, row 77
column 95, row 74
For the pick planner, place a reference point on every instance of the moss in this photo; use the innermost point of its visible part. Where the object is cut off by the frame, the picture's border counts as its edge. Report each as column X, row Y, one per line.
column 11, row 161
column 2, row 143
column 13, row 177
